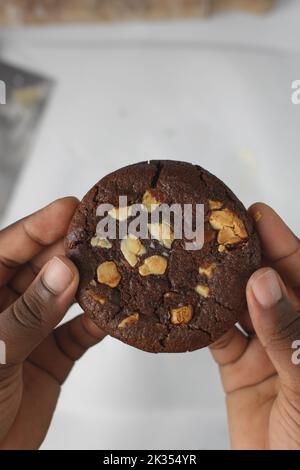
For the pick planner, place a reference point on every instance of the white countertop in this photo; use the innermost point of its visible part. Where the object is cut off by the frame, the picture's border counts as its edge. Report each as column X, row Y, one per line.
column 216, row 93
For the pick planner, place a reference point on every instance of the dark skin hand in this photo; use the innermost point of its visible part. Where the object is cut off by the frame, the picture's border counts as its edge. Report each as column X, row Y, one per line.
column 37, row 286
column 260, row 379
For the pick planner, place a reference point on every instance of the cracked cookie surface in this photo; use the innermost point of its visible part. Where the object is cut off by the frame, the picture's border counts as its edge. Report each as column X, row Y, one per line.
column 153, row 293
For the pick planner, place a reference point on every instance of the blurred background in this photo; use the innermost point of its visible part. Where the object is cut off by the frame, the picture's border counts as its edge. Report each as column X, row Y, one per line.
column 92, row 85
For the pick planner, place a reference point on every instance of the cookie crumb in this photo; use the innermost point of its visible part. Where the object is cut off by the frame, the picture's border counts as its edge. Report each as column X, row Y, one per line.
column 257, row 216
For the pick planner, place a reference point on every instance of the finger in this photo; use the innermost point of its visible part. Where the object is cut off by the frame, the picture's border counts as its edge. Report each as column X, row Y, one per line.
column 228, row 351
column 25, row 239
column 34, row 315
column 279, row 244
column 246, row 323
column 27, row 273
column 276, row 322
column 58, row 352
column 238, row 357
column 230, row 347
column 7, row 297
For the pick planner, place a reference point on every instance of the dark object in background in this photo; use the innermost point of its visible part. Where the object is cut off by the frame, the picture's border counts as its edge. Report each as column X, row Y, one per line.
column 26, row 96
column 52, row 11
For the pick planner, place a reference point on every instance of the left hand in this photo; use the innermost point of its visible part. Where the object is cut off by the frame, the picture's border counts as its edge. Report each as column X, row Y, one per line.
column 37, row 286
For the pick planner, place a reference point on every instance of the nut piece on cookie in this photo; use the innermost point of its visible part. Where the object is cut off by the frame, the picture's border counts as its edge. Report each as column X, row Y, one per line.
column 149, row 201
column 214, row 205
column 181, row 315
column 120, row 213
column 101, row 242
column 231, row 228
column 130, row 320
column 207, row 270
column 97, row 297
column 131, row 248
column 226, row 236
column 202, row 290
column 162, row 232
column 153, row 265
column 107, row 273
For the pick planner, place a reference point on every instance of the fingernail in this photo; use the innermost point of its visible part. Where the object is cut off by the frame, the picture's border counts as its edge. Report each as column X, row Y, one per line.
column 266, row 289
column 57, row 276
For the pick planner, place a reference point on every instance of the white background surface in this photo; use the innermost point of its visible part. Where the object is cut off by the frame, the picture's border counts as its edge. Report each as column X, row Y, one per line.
column 216, row 93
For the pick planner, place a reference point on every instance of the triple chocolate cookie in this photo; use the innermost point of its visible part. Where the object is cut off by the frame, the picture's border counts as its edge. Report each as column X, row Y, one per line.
column 153, row 292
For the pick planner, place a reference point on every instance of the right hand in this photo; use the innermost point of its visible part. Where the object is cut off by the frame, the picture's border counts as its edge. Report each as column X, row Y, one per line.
column 260, row 370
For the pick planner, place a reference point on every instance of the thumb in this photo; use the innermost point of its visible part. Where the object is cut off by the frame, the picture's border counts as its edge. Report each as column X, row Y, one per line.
column 34, row 315
column 276, row 322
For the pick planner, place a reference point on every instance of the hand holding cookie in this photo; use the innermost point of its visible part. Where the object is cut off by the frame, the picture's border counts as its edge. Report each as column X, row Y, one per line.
column 37, row 286
column 182, row 300
column 261, row 370
column 158, row 287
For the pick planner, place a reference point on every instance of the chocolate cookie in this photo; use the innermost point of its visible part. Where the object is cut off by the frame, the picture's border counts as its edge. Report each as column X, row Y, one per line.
column 161, row 292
